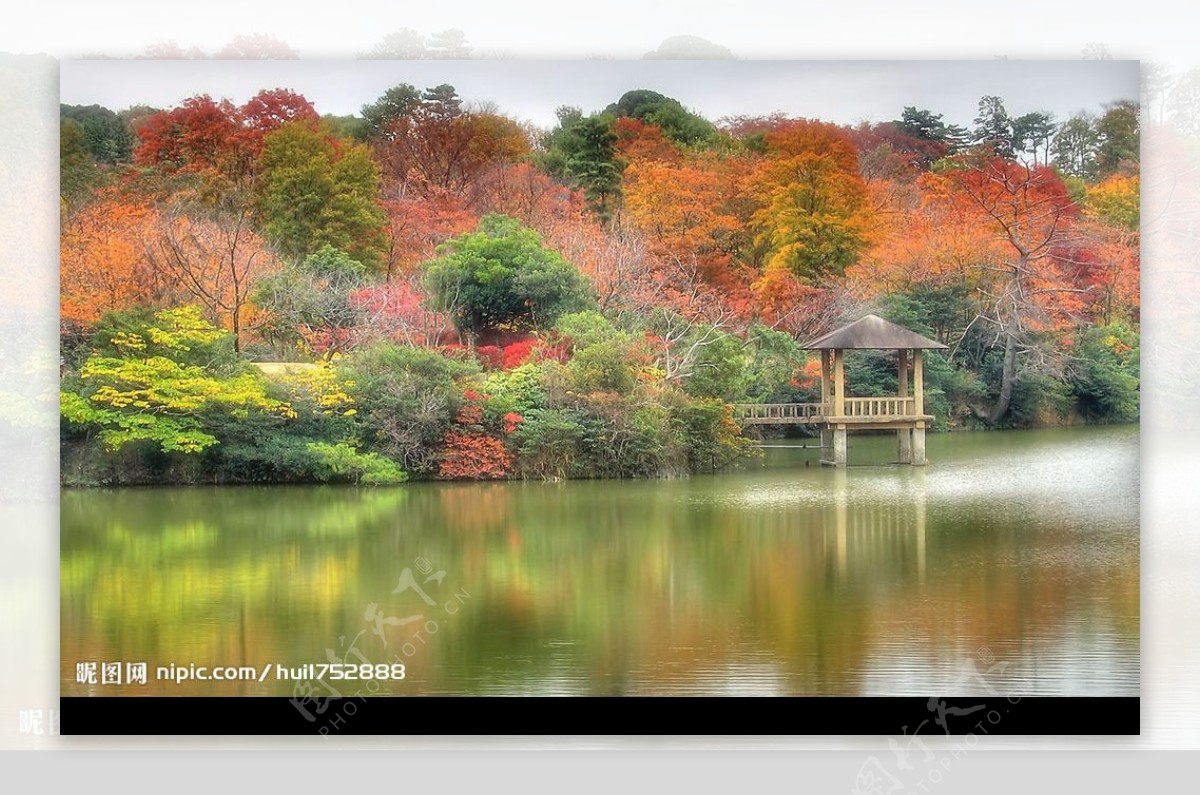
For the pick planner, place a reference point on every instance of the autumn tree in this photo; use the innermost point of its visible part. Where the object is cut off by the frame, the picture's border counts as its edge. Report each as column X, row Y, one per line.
column 200, row 134
column 523, row 192
column 257, row 47
column 399, row 311
column 430, row 147
column 1117, row 201
column 219, row 140
column 889, row 152
column 925, row 238
column 417, row 225
column 812, row 212
column 270, row 109
column 211, row 254
column 638, row 141
column 617, row 260
column 104, row 264
column 689, row 209
column 1031, row 212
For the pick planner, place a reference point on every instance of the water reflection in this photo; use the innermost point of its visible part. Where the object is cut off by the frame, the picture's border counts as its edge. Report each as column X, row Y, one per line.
column 788, row 579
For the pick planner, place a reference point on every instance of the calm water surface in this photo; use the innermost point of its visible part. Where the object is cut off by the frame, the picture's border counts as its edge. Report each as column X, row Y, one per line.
column 1011, row 562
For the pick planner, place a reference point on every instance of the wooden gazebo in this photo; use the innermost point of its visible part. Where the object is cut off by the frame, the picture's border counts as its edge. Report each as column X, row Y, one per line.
column 837, row 413
column 905, row 412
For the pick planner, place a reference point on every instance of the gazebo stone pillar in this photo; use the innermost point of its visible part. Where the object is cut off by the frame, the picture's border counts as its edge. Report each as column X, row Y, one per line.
column 903, row 435
column 839, row 446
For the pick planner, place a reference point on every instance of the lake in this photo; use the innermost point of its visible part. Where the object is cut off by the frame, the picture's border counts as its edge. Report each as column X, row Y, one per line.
column 1009, row 564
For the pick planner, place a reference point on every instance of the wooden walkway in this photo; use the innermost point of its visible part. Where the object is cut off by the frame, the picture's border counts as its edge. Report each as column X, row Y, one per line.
column 855, row 411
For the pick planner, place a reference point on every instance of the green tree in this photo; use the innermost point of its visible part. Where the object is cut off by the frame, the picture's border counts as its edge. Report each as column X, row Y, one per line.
column 720, row 371
column 550, row 444
column 1075, row 145
column 404, row 44
column 1184, row 104
column 107, row 137
column 713, row 438
column 1033, row 134
column 351, row 127
column 582, row 151
column 407, row 398
column 501, row 275
column 77, row 172
column 774, row 359
column 315, row 192
column 1104, row 373
column 603, row 367
column 1120, row 138
column 926, row 125
column 994, row 128
column 676, row 122
column 342, row 462
column 396, row 103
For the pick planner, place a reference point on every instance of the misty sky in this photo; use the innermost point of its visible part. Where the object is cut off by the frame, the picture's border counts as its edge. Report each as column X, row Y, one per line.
column 837, row 91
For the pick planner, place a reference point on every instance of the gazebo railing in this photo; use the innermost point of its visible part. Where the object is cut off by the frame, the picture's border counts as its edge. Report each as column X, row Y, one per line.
column 880, row 407
column 782, row 413
column 779, row 412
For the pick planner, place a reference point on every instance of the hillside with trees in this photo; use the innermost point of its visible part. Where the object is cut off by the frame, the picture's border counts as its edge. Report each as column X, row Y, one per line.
column 260, row 293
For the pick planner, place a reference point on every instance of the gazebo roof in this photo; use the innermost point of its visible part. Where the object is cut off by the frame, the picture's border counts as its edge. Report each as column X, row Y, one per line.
column 871, row 332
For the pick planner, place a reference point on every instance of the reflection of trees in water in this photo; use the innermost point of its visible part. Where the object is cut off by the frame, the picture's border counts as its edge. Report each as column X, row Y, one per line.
column 587, row 587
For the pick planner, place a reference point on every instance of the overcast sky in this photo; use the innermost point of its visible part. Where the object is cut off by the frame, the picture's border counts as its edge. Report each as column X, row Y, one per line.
column 837, row 91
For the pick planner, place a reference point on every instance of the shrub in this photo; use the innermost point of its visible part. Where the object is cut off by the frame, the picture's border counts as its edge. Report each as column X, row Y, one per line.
column 342, row 462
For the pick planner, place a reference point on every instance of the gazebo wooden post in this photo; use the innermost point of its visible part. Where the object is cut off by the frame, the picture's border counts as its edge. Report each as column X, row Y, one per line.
column 903, row 435
column 918, row 433
column 826, row 398
column 839, row 407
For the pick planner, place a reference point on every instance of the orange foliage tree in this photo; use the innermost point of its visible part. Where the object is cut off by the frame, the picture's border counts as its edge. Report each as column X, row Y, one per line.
column 689, row 209
column 104, row 264
column 638, row 141
column 813, row 215
column 925, row 234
